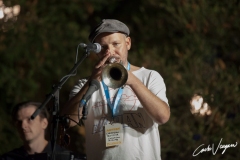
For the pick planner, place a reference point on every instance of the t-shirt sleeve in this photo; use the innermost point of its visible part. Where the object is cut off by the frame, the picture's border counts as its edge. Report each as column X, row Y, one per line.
column 77, row 87
column 157, row 86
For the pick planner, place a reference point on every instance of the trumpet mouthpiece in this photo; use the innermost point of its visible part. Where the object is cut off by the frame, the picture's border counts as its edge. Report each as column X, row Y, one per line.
column 112, row 60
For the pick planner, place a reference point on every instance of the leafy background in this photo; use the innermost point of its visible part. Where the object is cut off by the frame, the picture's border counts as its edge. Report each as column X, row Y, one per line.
column 194, row 45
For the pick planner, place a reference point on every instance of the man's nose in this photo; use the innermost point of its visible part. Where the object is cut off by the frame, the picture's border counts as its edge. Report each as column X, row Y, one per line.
column 24, row 124
column 110, row 50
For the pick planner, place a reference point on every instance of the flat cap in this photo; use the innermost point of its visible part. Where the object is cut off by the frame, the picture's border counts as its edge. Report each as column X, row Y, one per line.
column 108, row 25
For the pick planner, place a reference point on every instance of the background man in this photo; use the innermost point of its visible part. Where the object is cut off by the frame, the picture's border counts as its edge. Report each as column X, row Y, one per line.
column 32, row 132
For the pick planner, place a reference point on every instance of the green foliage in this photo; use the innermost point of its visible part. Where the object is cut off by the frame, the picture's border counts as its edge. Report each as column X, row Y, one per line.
column 194, row 45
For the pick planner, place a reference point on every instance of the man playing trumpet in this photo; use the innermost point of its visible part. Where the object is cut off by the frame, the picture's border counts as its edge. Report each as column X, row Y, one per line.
column 122, row 123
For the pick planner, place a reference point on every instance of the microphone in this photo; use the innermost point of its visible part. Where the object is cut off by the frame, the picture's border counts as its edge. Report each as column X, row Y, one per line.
column 94, row 86
column 94, row 47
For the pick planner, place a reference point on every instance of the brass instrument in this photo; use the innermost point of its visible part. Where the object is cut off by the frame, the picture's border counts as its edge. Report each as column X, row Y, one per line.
column 114, row 74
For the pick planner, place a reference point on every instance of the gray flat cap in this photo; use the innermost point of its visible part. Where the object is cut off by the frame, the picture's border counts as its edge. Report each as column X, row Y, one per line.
column 108, row 25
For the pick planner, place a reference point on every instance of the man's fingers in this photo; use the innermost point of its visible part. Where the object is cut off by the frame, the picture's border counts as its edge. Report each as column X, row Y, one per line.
column 102, row 62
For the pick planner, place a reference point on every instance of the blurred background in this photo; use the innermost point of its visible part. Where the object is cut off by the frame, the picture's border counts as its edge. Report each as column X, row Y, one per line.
column 194, row 45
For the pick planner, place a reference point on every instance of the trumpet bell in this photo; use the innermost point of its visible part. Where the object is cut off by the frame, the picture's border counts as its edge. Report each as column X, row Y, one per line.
column 114, row 75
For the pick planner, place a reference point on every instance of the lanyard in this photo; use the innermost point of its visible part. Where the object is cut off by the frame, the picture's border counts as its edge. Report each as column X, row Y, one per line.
column 114, row 105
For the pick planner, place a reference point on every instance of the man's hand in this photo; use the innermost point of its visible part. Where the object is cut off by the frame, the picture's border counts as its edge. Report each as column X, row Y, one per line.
column 97, row 71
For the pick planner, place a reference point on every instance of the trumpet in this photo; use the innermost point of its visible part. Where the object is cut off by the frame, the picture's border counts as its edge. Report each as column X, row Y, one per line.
column 114, row 74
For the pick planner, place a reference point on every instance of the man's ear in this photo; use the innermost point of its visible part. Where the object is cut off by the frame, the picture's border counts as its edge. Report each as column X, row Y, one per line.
column 128, row 42
column 44, row 123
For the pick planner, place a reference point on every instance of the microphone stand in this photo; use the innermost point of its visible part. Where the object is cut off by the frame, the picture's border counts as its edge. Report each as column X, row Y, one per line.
column 55, row 94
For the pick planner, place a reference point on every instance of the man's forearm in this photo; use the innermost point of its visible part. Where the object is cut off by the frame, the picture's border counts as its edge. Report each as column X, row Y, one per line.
column 154, row 106
column 71, row 106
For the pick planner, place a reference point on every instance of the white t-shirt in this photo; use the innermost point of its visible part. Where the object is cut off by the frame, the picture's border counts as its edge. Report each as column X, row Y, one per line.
column 141, row 139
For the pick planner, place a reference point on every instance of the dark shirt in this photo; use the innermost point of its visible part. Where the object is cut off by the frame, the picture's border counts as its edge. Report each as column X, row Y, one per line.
column 21, row 154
